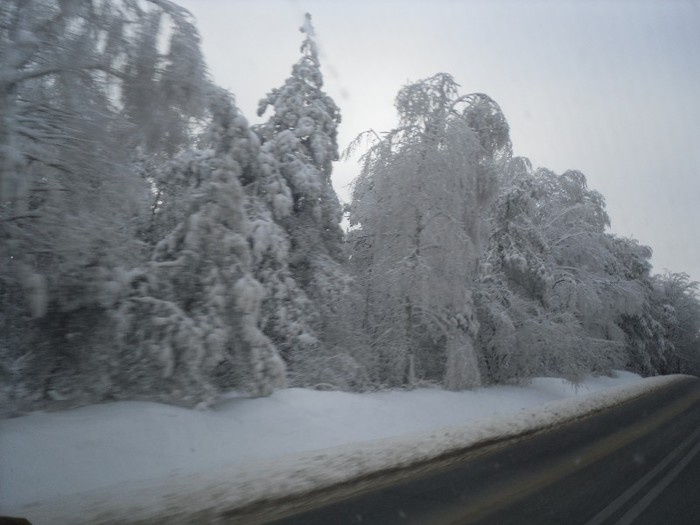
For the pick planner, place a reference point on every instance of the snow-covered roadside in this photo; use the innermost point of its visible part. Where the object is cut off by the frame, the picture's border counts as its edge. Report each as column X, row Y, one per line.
column 91, row 465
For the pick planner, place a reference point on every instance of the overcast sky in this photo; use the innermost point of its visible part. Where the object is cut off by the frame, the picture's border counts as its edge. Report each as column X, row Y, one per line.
column 609, row 88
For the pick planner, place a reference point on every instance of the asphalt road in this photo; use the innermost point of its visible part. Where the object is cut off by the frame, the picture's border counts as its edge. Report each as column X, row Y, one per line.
column 635, row 463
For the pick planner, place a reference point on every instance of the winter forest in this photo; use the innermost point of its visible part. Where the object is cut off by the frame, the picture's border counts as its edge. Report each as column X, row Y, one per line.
column 154, row 245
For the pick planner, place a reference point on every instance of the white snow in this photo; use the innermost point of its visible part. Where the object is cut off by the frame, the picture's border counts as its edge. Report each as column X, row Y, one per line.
column 93, row 464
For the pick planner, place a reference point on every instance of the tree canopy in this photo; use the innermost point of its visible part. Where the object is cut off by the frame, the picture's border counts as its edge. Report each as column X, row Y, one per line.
column 154, row 245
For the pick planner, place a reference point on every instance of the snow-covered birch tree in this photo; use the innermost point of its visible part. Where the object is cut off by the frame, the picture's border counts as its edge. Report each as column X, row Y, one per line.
column 417, row 210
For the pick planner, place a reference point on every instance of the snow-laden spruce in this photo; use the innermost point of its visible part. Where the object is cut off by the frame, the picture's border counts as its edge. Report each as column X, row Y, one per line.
column 301, row 134
column 192, row 325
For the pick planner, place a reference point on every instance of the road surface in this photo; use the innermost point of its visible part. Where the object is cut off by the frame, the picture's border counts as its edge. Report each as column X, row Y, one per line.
column 635, row 463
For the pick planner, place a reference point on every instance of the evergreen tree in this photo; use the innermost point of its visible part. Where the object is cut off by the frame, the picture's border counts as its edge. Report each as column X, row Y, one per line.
column 301, row 134
column 192, row 325
column 300, row 137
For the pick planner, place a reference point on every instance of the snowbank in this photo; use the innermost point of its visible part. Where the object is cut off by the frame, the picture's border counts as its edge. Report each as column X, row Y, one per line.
column 97, row 464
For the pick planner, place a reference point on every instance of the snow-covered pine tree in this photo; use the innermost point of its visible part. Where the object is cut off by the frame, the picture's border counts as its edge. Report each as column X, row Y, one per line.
column 192, row 325
column 301, row 133
column 287, row 314
column 300, row 139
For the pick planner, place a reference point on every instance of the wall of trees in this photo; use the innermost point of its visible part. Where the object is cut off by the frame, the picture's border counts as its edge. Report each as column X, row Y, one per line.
column 154, row 245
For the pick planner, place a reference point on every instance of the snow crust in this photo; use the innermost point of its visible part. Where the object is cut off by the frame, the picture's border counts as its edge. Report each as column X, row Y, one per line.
column 145, row 461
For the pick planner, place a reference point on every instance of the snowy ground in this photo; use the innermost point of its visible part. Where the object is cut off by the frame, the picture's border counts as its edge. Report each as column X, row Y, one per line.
column 88, row 465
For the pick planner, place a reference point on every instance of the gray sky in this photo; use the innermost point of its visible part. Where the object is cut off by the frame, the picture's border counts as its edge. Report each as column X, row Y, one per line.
column 611, row 88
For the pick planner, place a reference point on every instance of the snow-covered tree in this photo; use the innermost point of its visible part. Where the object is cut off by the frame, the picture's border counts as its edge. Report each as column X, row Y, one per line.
column 588, row 281
column 71, row 200
column 514, row 285
column 626, row 290
column 552, row 271
column 301, row 134
column 517, row 246
column 418, row 209
column 518, row 336
column 676, row 308
column 300, row 139
column 192, row 325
